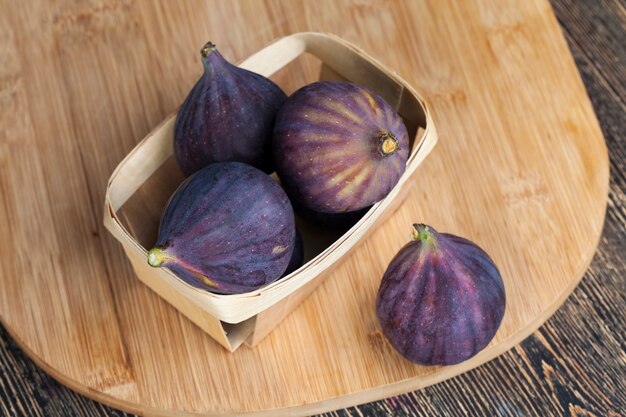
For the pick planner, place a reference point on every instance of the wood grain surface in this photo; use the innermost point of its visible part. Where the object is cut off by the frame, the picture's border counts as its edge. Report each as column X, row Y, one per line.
column 548, row 374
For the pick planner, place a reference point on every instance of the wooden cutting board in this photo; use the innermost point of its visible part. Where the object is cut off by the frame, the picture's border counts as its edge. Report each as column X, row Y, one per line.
column 521, row 168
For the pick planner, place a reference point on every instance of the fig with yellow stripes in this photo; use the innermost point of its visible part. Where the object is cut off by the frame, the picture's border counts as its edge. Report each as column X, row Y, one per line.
column 338, row 147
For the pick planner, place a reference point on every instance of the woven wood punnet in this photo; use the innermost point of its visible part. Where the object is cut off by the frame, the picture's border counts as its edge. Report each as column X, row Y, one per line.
column 142, row 182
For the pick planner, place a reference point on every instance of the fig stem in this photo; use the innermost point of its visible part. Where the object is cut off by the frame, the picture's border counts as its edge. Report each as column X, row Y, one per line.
column 157, row 257
column 207, row 49
column 388, row 144
column 423, row 233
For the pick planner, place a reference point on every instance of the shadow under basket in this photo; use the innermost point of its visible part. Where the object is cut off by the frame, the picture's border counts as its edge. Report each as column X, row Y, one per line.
column 142, row 183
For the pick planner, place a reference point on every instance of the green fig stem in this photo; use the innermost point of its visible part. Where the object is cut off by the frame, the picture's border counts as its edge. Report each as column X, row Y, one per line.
column 388, row 144
column 157, row 257
column 424, row 234
column 207, row 49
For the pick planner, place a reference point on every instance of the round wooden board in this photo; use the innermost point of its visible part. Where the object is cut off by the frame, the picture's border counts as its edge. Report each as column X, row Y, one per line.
column 521, row 168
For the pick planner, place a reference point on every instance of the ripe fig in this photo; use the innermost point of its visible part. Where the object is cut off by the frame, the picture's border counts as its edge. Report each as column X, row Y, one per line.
column 297, row 256
column 441, row 299
column 229, row 228
column 338, row 147
column 330, row 220
column 227, row 116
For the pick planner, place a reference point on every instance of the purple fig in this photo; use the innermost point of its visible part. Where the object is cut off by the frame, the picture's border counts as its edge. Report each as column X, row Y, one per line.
column 297, row 256
column 441, row 299
column 227, row 116
column 229, row 228
column 330, row 220
column 338, row 147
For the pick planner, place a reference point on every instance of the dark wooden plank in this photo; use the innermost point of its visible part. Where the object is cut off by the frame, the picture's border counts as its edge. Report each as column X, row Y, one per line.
column 25, row 390
column 598, row 28
column 574, row 365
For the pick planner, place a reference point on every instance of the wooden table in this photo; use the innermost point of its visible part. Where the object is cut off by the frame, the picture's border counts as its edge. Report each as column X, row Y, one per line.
column 573, row 365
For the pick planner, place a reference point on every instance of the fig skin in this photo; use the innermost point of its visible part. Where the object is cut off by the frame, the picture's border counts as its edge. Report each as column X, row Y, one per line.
column 297, row 256
column 335, row 221
column 441, row 299
column 228, row 229
column 338, row 147
column 227, row 116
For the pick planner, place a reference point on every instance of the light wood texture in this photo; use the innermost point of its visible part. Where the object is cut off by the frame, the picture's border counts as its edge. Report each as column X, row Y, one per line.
column 143, row 182
column 521, row 168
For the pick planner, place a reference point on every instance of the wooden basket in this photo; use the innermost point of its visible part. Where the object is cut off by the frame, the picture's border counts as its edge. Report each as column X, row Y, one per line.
column 139, row 187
